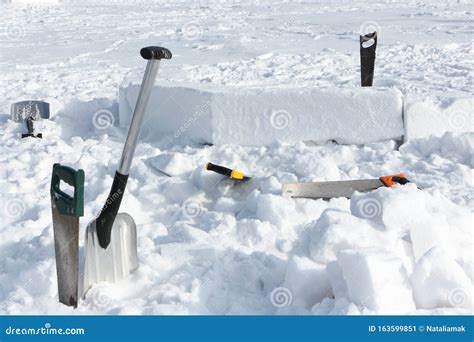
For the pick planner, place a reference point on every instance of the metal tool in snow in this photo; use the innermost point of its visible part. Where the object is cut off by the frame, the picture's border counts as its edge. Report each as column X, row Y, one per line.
column 29, row 112
column 368, row 44
column 222, row 170
column 111, row 238
column 235, row 184
column 327, row 190
column 230, row 173
column 66, row 212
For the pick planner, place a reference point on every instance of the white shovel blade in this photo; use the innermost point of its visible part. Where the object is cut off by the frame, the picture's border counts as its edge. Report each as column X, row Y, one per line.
column 116, row 261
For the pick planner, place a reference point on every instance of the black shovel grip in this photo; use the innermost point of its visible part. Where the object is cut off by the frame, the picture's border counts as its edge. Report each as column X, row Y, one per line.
column 155, row 52
column 106, row 217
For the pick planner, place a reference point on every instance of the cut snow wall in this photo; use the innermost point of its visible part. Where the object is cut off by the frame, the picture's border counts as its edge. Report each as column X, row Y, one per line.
column 261, row 116
column 183, row 113
column 256, row 118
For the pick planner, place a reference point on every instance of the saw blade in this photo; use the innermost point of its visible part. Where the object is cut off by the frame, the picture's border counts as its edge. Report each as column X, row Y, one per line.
column 326, row 190
column 66, row 245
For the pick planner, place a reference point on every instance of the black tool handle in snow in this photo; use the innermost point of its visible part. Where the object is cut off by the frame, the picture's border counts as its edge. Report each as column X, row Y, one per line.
column 29, row 125
column 234, row 174
column 31, row 130
column 106, row 218
column 368, row 44
column 219, row 169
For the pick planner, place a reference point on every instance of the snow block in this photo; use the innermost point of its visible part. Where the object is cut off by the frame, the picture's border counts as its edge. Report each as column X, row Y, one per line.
column 339, row 306
column 262, row 116
column 438, row 281
column 384, row 206
column 336, row 279
column 432, row 230
column 307, row 281
column 337, row 230
column 255, row 233
column 424, row 117
column 377, row 280
column 275, row 209
column 182, row 114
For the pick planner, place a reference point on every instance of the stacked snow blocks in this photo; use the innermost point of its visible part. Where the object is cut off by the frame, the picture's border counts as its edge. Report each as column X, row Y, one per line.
column 263, row 116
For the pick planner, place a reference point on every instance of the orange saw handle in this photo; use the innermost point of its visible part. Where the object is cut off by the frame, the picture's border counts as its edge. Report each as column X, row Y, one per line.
column 398, row 178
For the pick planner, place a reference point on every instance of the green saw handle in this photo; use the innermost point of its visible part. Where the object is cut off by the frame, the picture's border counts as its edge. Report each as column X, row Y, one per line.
column 67, row 205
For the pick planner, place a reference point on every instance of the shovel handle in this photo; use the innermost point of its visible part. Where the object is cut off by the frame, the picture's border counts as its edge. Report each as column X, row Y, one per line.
column 106, row 218
column 66, row 204
column 153, row 54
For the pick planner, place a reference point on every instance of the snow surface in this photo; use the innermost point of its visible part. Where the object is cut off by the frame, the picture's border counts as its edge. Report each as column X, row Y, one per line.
column 210, row 246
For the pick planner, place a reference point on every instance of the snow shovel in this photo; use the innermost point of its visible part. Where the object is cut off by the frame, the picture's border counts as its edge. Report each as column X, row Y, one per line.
column 111, row 238
column 66, row 212
column 327, row 190
column 29, row 111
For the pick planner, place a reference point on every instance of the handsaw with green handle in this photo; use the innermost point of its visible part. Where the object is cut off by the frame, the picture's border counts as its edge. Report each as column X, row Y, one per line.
column 66, row 212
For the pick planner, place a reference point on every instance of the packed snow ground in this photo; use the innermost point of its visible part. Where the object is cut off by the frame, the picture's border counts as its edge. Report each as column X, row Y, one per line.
column 210, row 246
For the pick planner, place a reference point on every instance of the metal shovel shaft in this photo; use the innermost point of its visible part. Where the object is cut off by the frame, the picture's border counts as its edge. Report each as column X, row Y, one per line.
column 138, row 116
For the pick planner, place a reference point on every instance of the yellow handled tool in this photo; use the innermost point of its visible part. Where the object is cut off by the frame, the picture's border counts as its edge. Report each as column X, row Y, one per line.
column 233, row 174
